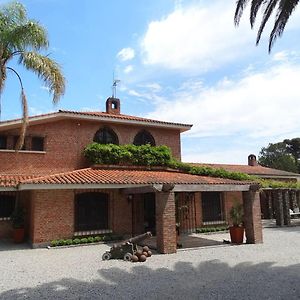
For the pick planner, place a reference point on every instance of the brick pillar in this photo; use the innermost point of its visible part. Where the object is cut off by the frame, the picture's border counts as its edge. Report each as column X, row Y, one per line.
column 298, row 198
column 293, row 199
column 252, row 217
column 278, row 207
column 270, row 204
column 286, row 207
column 198, row 209
column 165, row 222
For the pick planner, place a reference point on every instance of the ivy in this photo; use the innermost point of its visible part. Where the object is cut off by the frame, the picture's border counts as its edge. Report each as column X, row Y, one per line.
column 147, row 155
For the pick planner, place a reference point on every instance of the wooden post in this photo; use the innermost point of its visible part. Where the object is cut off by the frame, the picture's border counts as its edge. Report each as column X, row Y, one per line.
column 286, row 208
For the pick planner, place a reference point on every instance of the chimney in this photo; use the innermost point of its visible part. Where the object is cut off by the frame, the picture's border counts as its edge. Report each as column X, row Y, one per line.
column 252, row 160
column 113, row 106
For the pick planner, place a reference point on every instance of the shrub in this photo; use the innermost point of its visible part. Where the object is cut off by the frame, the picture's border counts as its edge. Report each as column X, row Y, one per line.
column 54, row 243
column 97, row 238
column 91, row 239
column 76, row 241
column 83, row 241
column 61, row 242
column 69, row 242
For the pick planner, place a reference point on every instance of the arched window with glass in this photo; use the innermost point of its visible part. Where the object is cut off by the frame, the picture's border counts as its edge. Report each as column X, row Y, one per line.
column 106, row 135
column 144, row 137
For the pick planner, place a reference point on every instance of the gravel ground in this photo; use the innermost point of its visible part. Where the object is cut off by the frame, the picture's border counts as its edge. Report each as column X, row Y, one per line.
column 263, row 271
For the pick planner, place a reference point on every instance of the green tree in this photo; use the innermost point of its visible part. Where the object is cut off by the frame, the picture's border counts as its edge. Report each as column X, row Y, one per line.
column 23, row 38
column 276, row 156
column 293, row 147
column 284, row 9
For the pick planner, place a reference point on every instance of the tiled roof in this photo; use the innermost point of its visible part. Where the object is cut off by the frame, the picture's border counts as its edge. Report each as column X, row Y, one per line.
column 13, row 180
column 251, row 170
column 125, row 176
column 97, row 114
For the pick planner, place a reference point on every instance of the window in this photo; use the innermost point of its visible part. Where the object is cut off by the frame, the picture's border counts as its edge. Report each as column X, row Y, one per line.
column 91, row 211
column 37, row 143
column 7, row 205
column 16, row 138
column 143, row 138
column 3, row 142
column 106, row 136
column 212, row 207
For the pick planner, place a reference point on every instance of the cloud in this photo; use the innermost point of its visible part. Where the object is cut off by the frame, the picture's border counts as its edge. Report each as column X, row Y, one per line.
column 126, row 54
column 128, row 69
column 197, row 38
column 261, row 105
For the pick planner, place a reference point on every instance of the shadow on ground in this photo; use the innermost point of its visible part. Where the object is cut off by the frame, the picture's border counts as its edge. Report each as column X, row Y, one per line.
column 209, row 280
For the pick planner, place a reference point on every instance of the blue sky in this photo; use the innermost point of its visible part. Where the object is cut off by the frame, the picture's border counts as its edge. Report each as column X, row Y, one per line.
column 181, row 61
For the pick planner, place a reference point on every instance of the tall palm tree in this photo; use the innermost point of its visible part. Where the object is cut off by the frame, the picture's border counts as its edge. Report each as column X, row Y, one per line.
column 284, row 11
column 23, row 38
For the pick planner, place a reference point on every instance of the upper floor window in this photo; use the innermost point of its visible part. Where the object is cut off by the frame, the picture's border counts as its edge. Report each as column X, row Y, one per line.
column 106, row 135
column 143, row 138
column 16, row 139
column 3, row 142
column 37, row 143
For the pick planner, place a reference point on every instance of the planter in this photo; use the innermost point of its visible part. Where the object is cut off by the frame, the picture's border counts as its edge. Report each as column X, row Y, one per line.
column 236, row 234
column 18, row 235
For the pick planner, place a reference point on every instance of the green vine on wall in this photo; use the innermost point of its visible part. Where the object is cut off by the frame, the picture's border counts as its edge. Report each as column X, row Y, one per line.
column 146, row 155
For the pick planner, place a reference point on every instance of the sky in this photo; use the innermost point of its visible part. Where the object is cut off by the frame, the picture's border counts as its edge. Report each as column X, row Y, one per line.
column 178, row 61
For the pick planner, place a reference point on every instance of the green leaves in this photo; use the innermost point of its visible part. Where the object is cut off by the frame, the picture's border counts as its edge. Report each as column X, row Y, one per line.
column 46, row 69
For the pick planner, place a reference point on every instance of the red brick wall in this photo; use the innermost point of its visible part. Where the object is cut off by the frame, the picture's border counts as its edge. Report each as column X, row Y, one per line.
column 52, row 215
column 65, row 141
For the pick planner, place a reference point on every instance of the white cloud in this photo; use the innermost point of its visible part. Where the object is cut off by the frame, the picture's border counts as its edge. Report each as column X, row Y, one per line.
column 197, row 38
column 128, row 69
column 126, row 54
column 262, row 105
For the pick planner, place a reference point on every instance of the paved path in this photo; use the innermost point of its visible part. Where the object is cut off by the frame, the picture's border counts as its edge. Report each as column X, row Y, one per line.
column 266, row 271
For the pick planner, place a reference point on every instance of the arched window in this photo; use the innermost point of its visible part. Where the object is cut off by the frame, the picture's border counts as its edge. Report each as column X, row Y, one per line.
column 144, row 137
column 106, row 135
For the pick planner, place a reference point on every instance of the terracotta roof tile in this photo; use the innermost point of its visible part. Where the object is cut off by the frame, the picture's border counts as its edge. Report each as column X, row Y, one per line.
column 123, row 176
column 13, row 180
column 251, row 170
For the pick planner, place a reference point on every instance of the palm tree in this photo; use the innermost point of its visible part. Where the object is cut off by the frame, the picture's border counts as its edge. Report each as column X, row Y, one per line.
column 284, row 11
column 22, row 38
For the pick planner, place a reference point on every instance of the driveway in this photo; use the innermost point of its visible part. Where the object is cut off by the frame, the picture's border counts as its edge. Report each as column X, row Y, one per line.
column 263, row 271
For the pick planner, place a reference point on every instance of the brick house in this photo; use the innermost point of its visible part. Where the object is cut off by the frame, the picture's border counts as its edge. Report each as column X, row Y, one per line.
column 65, row 197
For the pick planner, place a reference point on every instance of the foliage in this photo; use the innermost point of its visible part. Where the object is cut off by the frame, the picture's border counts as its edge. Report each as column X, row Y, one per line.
column 277, row 156
column 18, row 218
column 211, row 229
column 145, row 155
column 284, row 10
column 236, row 214
column 23, row 38
column 85, row 240
column 293, row 147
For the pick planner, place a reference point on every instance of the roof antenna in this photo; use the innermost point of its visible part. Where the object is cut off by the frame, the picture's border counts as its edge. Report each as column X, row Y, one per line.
column 114, row 86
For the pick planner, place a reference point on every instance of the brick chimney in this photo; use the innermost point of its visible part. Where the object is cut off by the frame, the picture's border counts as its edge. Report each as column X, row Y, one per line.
column 113, row 106
column 252, row 160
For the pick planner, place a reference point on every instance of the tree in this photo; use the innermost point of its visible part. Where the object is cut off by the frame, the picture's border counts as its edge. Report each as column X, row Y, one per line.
column 23, row 38
column 293, row 147
column 284, row 11
column 276, row 156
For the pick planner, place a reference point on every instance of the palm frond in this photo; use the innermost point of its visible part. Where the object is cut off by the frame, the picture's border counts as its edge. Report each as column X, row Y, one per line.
column 13, row 13
column 285, row 10
column 25, row 36
column 266, row 15
column 46, row 69
column 240, row 6
column 21, row 139
column 255, row 6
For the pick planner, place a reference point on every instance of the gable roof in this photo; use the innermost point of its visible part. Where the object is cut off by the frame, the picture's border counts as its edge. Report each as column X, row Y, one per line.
column 251, row 170
column 95, row 116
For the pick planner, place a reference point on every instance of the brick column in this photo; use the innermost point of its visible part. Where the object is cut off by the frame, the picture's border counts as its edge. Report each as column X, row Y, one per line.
column 293, row 198
column 286, row 207
column 298, row 198
column 252, row 217
column 278, row 207
column 270, row 205
column 165, row 222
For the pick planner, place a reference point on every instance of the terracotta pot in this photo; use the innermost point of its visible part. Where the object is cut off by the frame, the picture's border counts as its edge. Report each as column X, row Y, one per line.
column 236, row 234
column 18, row 235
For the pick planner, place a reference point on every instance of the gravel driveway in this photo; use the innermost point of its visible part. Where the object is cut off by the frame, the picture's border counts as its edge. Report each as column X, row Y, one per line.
column 266, row 271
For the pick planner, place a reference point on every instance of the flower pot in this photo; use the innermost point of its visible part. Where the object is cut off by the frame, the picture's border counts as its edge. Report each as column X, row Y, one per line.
column 236, row 234
column 18, row 235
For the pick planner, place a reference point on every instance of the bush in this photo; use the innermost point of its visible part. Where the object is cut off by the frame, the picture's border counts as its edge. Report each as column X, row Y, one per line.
column 76, row 241
column 91, row 239
column 69, row 242
column 83, row 241
column 54, row 243
column 97, row 239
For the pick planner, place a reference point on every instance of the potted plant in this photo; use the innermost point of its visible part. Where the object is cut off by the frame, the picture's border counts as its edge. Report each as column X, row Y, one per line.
column 18, row 220
column 237, row 229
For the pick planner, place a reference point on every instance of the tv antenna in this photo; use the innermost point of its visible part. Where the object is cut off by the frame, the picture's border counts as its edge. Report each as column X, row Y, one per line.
column 114, row 86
